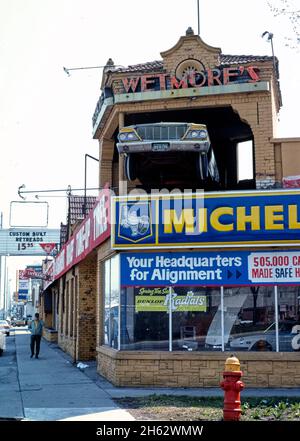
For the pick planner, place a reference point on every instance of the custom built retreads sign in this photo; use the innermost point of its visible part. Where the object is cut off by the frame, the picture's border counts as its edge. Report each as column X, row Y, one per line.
column 210, row 268
column 207, row 220
column 28, row 241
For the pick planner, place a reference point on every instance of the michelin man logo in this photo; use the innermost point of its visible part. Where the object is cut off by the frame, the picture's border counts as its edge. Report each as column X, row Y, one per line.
column 139, row 225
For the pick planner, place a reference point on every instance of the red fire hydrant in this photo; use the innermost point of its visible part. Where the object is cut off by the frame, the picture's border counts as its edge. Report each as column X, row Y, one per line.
column 232, row 385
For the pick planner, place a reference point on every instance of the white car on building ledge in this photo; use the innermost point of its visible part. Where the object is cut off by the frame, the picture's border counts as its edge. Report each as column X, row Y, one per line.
column 166, row 150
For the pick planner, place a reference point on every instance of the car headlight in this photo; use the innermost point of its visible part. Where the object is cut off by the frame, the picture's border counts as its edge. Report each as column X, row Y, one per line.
column 196, row 134
column 122, row 136
column 128, row 136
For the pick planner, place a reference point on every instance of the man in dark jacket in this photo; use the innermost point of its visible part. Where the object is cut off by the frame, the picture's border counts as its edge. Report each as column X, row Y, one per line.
column 36, row 328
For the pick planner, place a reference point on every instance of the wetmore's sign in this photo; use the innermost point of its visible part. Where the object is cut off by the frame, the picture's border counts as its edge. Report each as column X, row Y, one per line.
column 149, row 270
column 240, row 219
column 208, row 78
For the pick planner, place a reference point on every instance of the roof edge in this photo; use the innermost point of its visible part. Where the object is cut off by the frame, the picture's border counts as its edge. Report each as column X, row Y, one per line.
column 196, row 38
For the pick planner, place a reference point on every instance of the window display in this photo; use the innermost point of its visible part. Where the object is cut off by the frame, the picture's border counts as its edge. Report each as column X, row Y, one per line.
column 195, row 323
column 249, row 315
column 199, row 318
column 111, row 301
column 289, row 318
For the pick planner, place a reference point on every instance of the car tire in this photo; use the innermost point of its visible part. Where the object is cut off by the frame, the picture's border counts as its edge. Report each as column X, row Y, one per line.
column 7, row 333
column 202, row 166
column 130, row 169
column 261, row 345
column 1, row 351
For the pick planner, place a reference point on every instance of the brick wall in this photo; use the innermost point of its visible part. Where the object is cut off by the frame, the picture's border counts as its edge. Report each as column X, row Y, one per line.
column 181, row 369
column 86, row 309
column 253, row 108
column 258, row 109
column 77, row 320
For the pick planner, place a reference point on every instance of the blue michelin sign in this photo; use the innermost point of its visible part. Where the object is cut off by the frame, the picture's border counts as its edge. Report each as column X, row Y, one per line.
column 210, row 268
column 258, row 218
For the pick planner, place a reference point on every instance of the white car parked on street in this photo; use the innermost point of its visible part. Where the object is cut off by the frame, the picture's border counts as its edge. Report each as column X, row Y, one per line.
column 2, row 342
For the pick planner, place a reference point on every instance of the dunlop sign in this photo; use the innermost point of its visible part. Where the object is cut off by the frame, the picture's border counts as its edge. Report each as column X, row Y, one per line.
column 240, row 219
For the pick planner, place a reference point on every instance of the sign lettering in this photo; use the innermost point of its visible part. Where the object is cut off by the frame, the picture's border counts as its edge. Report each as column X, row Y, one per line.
column 27, row 241
column 208, row 77
column 210, row 220
column 151, row 271
column 91, row 233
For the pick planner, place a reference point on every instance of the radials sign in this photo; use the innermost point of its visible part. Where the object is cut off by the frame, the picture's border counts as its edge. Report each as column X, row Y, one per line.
column 262, row 218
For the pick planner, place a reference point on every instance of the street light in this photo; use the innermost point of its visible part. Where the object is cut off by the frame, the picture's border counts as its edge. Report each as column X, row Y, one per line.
column 85, row 164
column 270, row 36
column 109, row 64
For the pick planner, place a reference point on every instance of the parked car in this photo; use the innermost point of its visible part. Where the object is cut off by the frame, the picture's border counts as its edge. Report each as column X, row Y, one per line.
column 2, row 342
column 167, row 148
column 266, row 340
column 4, row 327
column 19, row 322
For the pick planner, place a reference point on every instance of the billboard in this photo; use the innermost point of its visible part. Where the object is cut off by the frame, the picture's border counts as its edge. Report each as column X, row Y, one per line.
column 207, row 220
column 224, row 268
column 28, row 214
column 27, row 241
column 23, row 287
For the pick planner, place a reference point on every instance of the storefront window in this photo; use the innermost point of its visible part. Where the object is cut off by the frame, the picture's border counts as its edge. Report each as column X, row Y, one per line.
column 199, row 318
column 249, row 319
column 146, row 322
column 289, row 318
column 111, row 301
column 145, row 318
column 196, row 319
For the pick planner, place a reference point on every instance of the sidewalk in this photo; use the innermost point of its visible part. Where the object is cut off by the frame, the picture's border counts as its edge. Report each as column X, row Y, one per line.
column 52, row 388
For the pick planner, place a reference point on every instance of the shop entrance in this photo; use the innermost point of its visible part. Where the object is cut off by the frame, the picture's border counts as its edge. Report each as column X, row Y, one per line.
column 228, row 136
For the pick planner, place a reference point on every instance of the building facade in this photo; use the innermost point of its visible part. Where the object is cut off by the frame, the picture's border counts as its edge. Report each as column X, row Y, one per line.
column 188, row 276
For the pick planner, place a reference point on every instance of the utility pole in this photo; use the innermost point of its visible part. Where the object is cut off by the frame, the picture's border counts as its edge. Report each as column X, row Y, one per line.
column 1, row 224
column 4, row 287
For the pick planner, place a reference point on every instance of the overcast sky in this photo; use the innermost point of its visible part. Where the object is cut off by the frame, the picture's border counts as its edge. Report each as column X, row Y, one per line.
column 45, row 116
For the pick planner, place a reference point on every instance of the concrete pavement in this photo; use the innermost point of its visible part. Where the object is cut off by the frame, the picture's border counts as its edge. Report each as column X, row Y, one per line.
column 52, row 388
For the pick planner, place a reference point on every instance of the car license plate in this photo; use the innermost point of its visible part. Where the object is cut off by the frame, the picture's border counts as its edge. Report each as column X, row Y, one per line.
column 160, row 146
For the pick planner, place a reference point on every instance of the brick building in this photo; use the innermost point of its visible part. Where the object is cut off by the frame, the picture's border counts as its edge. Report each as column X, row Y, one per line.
column 155, row 306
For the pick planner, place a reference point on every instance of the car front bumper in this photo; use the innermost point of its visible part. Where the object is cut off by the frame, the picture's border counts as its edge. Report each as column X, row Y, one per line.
column 166, row 146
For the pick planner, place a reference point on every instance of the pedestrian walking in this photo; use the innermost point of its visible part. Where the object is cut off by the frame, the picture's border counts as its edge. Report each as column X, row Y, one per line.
column 36, row 328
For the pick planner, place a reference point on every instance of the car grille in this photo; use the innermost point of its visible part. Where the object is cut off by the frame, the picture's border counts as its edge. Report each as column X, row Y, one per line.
column 158, row 133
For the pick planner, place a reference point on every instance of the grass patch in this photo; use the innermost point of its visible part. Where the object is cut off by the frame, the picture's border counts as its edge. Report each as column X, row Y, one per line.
column 186, row 408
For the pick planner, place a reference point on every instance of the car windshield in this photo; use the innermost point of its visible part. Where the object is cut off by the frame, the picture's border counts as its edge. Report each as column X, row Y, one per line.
column 270, row 328
column 283, row 326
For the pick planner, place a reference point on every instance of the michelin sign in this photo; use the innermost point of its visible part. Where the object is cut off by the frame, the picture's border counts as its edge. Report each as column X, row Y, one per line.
column 239, row 219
